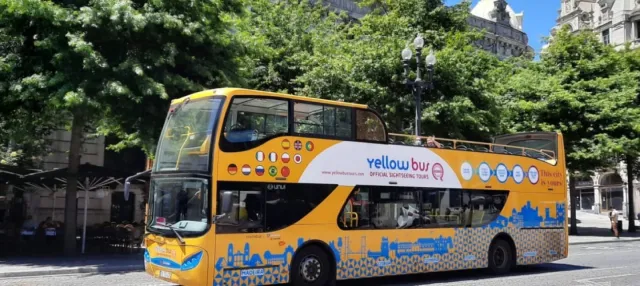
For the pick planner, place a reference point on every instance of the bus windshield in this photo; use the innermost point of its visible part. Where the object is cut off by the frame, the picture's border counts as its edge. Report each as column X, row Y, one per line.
column 186, row 139
column 179, row 203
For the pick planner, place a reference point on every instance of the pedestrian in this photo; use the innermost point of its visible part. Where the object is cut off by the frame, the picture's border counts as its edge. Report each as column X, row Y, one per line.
column 613, row 216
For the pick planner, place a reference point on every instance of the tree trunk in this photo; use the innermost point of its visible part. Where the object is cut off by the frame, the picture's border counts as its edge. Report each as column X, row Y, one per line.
column 630, row 210
column 71, row 207
column 573, row 230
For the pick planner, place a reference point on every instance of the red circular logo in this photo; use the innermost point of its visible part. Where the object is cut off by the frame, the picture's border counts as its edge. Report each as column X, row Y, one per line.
column 437, row 171
column 285, row 171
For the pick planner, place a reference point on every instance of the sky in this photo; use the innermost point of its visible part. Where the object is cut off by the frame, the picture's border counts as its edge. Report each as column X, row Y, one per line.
column 539, row 17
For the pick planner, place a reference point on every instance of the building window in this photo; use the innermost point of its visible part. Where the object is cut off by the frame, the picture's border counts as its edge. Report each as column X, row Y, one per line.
column 317, row 119
column 398, row 207
column 637, row 24
column 605, row 37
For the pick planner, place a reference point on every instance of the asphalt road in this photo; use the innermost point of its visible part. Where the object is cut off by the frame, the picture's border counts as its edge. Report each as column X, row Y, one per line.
column 596, row 264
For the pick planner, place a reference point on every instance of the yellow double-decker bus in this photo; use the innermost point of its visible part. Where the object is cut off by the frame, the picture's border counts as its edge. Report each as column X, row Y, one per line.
column 251, row 187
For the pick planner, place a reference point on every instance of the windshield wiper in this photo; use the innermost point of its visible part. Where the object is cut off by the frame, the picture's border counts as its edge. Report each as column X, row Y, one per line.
column 170, row 226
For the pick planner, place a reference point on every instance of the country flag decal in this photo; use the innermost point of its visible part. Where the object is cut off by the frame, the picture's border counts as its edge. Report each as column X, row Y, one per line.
column 273, row 157
column 297, row 158
column 233, row 169
column 259, row 170
column 260, row 156
column 285, row 158
column 285, row 171
column 297, row 145
column 246, row 169
column 273, row 171
column 309, row 146
column 286, row 144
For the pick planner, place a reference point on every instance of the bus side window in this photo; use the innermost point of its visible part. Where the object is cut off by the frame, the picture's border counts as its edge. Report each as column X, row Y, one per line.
column 369, row 127
column 323, row 120
column 355, row 212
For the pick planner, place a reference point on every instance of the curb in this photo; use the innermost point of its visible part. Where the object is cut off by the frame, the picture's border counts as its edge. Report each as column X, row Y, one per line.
column 74, row 270
column 604, row 241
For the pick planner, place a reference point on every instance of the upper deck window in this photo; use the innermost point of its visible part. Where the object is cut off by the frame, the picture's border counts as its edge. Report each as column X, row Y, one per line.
column 369, row 127
column 185, row 143
column 252, row 119
column 323, row 120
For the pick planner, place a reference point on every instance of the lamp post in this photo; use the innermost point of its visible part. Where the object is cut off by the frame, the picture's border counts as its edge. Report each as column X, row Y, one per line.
column 418, row 85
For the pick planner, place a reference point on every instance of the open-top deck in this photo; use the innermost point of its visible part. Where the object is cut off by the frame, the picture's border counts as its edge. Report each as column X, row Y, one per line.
column 545, row 155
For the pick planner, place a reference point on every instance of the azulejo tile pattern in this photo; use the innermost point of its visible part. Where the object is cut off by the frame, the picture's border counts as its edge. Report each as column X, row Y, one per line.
column 537, row 239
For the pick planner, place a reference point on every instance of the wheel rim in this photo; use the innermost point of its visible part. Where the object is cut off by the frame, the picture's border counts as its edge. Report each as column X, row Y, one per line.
column 310, row 268
column 500, row 257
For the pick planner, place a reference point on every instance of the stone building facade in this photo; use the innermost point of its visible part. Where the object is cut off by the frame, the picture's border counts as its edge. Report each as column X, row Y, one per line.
column 504, row 35
column 616, row 22
column 503, row 28
column 605, row 191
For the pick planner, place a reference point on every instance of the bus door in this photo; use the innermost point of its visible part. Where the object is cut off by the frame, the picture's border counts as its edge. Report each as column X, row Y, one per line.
column 239, row 232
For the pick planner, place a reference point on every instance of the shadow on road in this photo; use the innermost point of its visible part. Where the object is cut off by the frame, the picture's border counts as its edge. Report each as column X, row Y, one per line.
column 463, row 275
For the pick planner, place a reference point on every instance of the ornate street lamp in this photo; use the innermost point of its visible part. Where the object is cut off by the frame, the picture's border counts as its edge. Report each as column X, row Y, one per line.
column 418, row 85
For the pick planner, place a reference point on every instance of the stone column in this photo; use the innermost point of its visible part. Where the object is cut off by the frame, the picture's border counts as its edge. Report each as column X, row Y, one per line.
column 597, row 200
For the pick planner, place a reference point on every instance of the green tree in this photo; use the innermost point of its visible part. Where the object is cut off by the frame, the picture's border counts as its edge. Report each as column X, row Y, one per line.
column 625, row 106
column 279, row 38
column 24, row 121
column 580, row 89
column 113, row 64
column 361, row 63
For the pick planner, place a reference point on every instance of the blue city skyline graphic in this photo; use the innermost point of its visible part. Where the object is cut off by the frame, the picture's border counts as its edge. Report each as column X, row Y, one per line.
column 528, row 217
column 389, row 250
column 248, row 259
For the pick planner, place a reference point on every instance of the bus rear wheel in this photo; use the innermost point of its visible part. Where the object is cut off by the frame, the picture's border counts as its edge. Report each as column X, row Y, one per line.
column 500, row 257
column 311, row 267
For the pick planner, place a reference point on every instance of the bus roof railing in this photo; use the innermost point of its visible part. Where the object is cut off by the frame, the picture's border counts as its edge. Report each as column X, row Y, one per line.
column 463, row 145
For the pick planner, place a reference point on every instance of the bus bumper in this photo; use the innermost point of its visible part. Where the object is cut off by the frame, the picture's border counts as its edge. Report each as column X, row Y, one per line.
column 182, row 265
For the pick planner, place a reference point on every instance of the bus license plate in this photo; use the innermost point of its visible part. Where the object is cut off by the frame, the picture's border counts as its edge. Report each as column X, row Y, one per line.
column 165, row 274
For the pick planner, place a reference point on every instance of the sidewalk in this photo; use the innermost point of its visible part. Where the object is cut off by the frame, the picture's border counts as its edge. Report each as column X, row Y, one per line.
column 38, row 266
column 596, row 228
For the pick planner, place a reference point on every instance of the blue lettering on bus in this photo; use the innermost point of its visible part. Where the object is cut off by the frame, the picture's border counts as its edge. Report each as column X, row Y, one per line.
column 252, row 272
column 388, row 164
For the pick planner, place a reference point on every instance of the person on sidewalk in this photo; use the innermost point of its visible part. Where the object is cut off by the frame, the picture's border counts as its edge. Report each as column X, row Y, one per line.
column 613, row 216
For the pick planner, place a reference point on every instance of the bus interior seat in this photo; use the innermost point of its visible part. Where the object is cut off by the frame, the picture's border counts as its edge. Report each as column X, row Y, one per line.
column 462, row 147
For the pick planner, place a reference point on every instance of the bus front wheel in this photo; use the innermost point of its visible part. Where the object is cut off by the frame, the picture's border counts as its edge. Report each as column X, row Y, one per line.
column 500, row 257
column 311, row 267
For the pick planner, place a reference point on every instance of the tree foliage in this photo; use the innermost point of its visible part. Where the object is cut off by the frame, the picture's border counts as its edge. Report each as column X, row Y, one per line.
column 361, row 63
column 577, row 88
column 279, row 37
column 586, row 90
column 117, row 62
column 113, row 64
